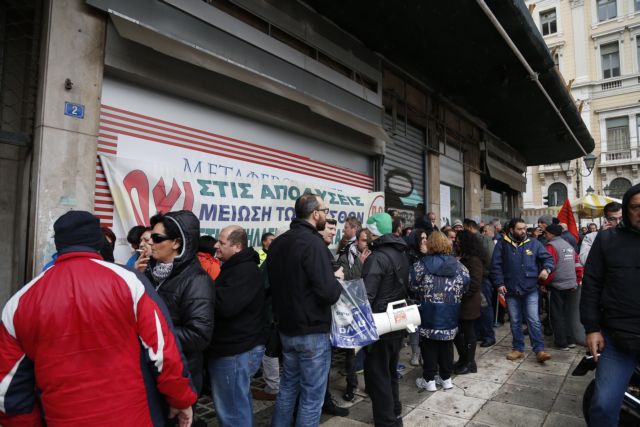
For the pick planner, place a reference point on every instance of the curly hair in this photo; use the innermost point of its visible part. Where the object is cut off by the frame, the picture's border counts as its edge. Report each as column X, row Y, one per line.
column 469, row 245
column 438, row 243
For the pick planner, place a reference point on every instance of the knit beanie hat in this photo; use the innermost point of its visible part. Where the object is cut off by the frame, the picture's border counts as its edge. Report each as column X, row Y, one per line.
column 77, row 231
column 379, row 224
column 555, row 229
column 546, row 219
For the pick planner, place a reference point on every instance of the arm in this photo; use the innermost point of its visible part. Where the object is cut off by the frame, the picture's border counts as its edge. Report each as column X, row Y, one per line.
column 554, row 254
column 579, row 270
column 587, row 242
column 196, row 314
column 497, row 276
column 18, row 403
column 544, row 257
column 592, row 286
column 372, row 275
column 317, row 267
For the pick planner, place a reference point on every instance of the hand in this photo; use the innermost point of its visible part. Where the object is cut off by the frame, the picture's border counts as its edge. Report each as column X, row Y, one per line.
column 185, row 416
column 339, row 273
column 607, row 225
column 363, row 256
column 595, row 344
column 502, row 290
column 141, row 263
column 544, row 275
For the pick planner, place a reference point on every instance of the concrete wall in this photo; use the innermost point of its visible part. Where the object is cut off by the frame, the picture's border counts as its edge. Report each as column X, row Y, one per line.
column 65, row 147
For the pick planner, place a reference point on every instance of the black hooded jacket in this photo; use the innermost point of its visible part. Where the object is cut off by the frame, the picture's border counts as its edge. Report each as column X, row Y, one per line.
column 611, row 284
column 239, row 306
column 386, row 272
column 302, row 283
column 189, row 294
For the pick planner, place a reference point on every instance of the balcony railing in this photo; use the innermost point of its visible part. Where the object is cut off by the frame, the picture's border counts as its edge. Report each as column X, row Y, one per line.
column 619, row 156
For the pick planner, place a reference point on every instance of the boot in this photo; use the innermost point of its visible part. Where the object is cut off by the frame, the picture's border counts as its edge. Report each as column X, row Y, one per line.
column 470, row 366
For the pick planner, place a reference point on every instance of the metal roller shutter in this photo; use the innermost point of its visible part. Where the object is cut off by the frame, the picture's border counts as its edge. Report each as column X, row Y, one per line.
column 403, row 165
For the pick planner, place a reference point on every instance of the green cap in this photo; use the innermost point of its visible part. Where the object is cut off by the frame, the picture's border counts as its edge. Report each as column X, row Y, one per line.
column 379, row 224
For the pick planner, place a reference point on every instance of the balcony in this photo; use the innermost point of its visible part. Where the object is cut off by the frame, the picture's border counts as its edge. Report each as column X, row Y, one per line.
column 619, row 157
column 552, row 167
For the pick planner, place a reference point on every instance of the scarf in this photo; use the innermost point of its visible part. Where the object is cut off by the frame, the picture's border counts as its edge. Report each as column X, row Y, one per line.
column 352, row 254
column 161, row 271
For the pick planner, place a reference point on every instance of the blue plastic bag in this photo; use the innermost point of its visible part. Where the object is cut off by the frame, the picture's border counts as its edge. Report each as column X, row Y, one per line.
column 352, row 324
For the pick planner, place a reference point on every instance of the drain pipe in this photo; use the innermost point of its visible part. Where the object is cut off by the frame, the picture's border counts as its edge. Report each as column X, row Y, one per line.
column 532, row 74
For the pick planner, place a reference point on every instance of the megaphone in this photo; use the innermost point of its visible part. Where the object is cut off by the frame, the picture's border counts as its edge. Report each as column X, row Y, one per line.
column 399, row 315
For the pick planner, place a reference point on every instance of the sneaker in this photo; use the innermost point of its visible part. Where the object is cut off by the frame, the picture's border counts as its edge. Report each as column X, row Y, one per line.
column 330, row 407
column 447, row 384
column 426, row 385
column 349, row 395
column 571, row 346
column 562, row 348
column 515, row 355
column 542, row 357
column 415, row 359
column 487, row 343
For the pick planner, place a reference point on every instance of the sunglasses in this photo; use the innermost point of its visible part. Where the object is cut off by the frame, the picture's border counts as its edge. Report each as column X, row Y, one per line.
column 159, row 238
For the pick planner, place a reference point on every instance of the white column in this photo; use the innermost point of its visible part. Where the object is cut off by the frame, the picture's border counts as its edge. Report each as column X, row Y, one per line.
column 580, row 40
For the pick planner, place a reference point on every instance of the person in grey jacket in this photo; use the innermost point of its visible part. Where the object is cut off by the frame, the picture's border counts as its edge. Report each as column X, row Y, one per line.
column 562, row 285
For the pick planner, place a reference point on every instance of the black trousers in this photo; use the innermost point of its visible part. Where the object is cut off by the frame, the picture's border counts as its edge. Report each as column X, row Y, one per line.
column 560, row 302
column 437, row 356
column 381, row 380
column 465, row 341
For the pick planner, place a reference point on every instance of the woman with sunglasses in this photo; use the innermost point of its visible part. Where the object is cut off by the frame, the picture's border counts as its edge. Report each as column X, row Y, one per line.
column 185, row 287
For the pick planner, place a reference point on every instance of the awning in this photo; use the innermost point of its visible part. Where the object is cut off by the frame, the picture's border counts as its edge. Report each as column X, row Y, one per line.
column 591, row 205
column 457, row 51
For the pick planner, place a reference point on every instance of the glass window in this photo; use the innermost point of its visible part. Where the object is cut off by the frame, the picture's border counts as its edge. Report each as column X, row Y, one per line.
column 637, row 5
column 618, row 187
column 493, row 205
column 607, row 9
column 610, row 60
column 638, row 50
column 451, row 208
column 557, row 194
column 618, row 134
column 548, row 22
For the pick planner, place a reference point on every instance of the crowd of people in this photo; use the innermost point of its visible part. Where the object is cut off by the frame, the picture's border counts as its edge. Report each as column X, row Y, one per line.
column 189, row 314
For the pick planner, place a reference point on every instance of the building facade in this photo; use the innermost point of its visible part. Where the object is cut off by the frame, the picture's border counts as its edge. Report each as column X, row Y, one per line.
column 596, row 46
column 310, row 91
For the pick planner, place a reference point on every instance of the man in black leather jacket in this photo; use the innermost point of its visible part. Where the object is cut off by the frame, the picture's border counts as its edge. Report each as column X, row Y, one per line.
column 385, row 273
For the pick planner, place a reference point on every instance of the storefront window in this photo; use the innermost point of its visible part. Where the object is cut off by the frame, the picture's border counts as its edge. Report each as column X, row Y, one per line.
column 451, row 204
column 494, row 205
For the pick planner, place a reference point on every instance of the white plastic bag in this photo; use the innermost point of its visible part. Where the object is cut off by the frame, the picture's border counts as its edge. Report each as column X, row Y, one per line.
column 352, row 325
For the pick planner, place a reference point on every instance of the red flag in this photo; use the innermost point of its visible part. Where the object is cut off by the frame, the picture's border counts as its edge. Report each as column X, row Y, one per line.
column 566, row 216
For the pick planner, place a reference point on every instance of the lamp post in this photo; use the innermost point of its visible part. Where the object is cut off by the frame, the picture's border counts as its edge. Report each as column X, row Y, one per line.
column 589, row 163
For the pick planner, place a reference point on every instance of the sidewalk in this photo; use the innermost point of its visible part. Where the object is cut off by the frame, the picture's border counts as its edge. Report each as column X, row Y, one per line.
column 502, row 393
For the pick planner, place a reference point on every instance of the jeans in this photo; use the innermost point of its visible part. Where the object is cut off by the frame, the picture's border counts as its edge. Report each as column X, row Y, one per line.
column 271, row 374
column 484, row 325
column 231, row 386
column 306, row 360
column 612, row 377
column 526, row 304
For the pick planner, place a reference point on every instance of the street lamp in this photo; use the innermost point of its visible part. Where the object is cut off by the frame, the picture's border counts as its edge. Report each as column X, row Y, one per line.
column 590, row 190
column 589, row 163
column 564, row 166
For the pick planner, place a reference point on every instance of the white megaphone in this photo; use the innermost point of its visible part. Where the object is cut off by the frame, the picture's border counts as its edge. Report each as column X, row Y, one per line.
column 399, row 315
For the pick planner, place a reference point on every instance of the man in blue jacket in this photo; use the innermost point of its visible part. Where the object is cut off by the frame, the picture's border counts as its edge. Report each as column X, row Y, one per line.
column 517, row 264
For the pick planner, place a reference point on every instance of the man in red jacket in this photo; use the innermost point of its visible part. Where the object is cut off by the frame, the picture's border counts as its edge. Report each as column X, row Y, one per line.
column 87, row 343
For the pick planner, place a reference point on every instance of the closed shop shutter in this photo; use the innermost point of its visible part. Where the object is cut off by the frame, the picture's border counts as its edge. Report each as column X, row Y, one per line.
column 403, row 167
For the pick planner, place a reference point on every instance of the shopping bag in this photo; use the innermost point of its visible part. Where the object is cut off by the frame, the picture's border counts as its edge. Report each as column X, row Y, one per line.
column 352, row 324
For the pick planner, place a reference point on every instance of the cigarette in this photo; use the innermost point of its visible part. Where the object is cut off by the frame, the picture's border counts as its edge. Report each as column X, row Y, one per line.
column 140, row 250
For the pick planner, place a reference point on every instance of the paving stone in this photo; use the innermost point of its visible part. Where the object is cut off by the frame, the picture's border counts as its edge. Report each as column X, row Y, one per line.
column 454, row 404
column 537, row 380
column 477, row 424
column 494, row 374
column 474, row 388
column 419, row 418
column 343, row 422
column 411, row 396
column 525, row 396
column 506, row 415
column 548, row 367
column 558, row 355
column 568, row 404
column 561, row 420
column 576, row 385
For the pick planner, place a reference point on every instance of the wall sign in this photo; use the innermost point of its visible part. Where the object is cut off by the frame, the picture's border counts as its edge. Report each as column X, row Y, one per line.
column 74, row 110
